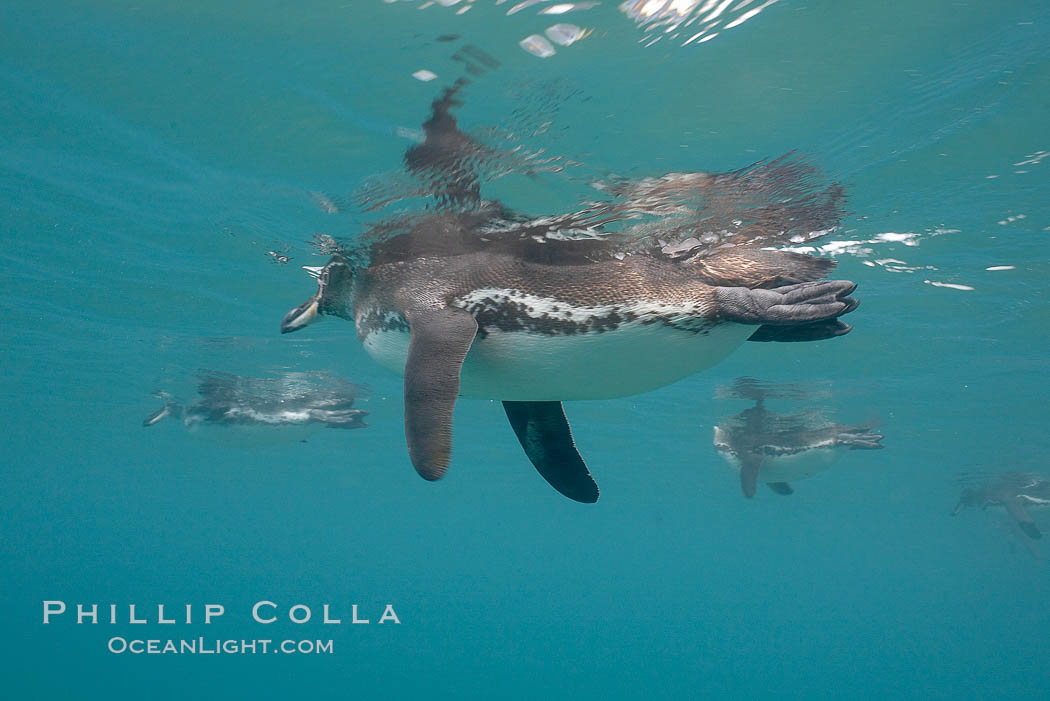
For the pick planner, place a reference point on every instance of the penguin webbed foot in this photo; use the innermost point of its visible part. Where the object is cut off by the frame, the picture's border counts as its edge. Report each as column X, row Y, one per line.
column 803, row 303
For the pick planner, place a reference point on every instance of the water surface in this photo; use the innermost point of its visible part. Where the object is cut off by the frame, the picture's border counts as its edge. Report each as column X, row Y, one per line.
column 153, row 155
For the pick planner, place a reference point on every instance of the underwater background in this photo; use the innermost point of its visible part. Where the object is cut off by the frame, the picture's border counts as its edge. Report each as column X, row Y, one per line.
column 165, row 170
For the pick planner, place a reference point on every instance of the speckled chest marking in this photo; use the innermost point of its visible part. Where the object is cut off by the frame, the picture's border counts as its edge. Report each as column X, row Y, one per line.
column 515, row 310
column 533, row 348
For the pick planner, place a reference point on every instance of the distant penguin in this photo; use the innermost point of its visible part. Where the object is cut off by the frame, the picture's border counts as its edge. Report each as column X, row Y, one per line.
column 290, row 399
column 1017, row 492
column 782, row 448
column 471, row 300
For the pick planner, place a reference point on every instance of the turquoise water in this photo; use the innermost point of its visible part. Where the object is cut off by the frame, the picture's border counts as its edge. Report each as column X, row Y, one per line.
column 152, row 154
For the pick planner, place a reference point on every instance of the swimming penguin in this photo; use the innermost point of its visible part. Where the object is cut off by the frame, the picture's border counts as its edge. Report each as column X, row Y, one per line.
column 471, row 300
column 291, row 399
column 1014, row 491
column 782, row 448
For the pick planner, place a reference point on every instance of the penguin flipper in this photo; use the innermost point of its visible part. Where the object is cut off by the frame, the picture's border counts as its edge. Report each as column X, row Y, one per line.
column 782, row 488
column 1024, row 521
column 750, row 464
column 440, row 340
column 544, row 433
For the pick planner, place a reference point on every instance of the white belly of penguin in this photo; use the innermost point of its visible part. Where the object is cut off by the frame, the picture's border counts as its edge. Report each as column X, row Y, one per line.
column 524, row 365
column 787, row 467
column 799, row 466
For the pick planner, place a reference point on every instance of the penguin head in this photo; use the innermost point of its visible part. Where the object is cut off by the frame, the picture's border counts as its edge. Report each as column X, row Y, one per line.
column 333, row 296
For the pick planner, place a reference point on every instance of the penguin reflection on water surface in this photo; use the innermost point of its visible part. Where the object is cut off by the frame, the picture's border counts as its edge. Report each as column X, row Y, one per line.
column 470, row 300
column 778, row 449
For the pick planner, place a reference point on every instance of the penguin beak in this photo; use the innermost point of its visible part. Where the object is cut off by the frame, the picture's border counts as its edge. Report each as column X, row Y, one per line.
column 965, row 501
column 156, row 416
column 301, row 316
